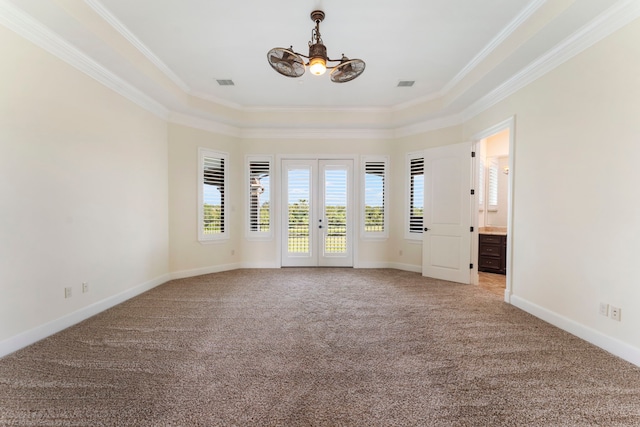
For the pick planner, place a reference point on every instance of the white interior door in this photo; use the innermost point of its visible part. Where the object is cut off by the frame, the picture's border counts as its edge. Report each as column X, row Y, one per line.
column 446, row 249
column 317, row 213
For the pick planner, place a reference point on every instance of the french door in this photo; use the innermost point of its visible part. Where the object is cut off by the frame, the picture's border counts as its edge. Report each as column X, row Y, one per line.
column 317, row 213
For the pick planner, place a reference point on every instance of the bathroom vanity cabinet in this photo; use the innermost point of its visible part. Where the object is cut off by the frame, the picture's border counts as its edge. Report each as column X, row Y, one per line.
column 492, row 253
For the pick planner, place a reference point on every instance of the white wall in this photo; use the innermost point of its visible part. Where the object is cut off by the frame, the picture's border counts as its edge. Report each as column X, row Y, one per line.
column 576, row 211
column 370, row 253
column 83, row 194
column 407, row 254
column 189, row 257
column 498, row 144
column 92, row 186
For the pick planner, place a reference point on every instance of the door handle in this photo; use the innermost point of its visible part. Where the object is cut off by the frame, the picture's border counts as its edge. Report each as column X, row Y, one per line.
column 319, row 226
column 426, row 229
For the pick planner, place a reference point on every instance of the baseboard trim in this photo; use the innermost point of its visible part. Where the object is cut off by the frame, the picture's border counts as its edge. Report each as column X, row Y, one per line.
column 614, row 346
column 372, row 265
column 268, row 265
column 24, row 339
column 184, row 274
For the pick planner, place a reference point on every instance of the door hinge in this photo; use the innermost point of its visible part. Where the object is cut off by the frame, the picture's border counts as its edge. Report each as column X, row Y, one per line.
column 473, row 154
column 473, row 192
column 470, row 266
column 471, row 229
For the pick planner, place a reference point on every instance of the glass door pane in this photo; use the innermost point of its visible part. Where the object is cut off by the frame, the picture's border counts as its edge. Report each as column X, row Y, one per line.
column 298, row 231
column 335, row 211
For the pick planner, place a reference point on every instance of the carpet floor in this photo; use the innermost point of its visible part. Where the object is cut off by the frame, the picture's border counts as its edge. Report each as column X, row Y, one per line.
column 316, row 347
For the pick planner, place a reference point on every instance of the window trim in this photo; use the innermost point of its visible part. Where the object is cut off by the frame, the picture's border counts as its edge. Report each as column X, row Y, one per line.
column 385, row 207
column 224, row 235
column 408, row 234
column 252, row 234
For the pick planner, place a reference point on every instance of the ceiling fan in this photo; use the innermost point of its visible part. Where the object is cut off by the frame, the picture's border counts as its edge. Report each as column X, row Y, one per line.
column 290, row 63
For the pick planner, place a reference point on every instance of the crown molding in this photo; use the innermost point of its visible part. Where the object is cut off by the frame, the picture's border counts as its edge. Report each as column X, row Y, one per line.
column 204, row 124
column 278, row 133
column 620, row 14
column 317, row 133
column 429, row 125
column 520, row 19
column 215, row 99
column 417, row 101
column 105, row 14
column 24, row 25
column 613, row 19
column 317, row 110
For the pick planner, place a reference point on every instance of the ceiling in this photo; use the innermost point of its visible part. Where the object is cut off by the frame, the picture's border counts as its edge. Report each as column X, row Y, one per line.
column 428, row 41
column 456, row 51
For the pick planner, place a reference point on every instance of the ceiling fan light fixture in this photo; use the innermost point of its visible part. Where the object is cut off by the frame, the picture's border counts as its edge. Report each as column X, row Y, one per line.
column 318, row 59
column 290, row 63
column 317, row 66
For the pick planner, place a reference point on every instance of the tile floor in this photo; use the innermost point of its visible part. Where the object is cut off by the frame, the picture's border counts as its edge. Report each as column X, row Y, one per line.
column 494, row 283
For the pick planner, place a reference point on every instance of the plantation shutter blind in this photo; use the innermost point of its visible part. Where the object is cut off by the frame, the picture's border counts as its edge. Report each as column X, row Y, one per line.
column 416, row 195
column 492, row 196
column 374, row 215
column 214, row 197
column 259, row 191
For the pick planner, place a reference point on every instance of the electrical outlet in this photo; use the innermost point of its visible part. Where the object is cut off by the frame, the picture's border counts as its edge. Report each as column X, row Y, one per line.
column 604, row 309
column 85, row 287
column 67, row 292
column 616, row 313
column 233, row 251
column 400, row 252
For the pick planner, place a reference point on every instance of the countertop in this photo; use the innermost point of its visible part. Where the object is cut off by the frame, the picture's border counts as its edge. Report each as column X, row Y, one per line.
column 495, row 231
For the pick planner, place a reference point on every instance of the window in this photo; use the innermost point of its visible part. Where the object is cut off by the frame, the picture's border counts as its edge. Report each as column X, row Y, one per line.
column 492, row 187
column 480, row 191
column 259, row 192
column 211, row 195
column 415, row 192
column 374, row 206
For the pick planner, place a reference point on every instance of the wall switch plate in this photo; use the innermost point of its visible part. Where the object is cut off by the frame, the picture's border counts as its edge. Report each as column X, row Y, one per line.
column 67, row 292
column 604, row 309
column 616, row 313
column 85, row 287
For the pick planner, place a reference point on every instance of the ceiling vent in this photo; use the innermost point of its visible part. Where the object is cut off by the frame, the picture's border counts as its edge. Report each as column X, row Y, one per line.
column 226, row 82
column 406, row 83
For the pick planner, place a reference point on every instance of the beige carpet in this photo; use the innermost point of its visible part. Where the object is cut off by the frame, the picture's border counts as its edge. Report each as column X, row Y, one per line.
column 316, row 347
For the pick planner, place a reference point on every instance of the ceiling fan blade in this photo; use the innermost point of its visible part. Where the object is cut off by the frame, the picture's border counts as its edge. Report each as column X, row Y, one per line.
column 347, row 70
column 287, row 56
column 286, row 62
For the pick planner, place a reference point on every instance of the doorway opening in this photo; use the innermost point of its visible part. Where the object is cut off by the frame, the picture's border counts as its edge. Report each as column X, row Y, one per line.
column 492, row 212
